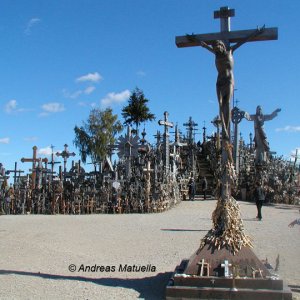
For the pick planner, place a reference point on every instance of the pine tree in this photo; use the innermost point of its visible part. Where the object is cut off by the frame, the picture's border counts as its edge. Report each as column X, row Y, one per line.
column 137, row 111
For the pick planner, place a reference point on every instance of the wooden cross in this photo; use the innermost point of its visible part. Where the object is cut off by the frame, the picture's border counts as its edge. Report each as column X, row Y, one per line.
column 203, row 268
column 40, row 171
column 166, row 125
column 34, row 160
column 226, row 266
column 65, row 155
column 225, row 34
column 15, row 172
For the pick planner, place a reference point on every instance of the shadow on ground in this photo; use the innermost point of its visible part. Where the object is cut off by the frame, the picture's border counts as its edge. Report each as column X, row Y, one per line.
column 179, row 229
column 149, row 288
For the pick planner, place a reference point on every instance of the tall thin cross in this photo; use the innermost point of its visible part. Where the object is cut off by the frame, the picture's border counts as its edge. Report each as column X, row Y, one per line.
column 236, row 115
column 34, row 160
column 166, row 125
column 204, row 132
column 147, row 171
column 65, row 155
column 52, row 162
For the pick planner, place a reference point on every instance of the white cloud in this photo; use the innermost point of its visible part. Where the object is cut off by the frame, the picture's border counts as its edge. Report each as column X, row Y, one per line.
column 115, row 98
column 141, row 73
column 289, row 128
column 45, row 151
column 30, row 138
column 93, row 77
column 32, row 22
column 87, row 104
column 5, row 140
column 12, row 107
column 89, row 90
column 76, row 94
column 53, row 107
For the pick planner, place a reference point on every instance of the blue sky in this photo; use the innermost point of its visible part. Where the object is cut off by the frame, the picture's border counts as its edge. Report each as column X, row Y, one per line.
column 60, row 58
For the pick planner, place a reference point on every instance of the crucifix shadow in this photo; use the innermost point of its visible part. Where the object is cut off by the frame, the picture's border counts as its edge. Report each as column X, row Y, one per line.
column 152, row 287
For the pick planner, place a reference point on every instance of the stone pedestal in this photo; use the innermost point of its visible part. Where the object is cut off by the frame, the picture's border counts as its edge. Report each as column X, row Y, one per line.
column 252, row 280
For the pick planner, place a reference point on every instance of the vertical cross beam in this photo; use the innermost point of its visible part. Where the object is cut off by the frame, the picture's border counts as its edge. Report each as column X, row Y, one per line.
column 166, row 125
column 52, row 162
column 204, row 133
column 224, row 15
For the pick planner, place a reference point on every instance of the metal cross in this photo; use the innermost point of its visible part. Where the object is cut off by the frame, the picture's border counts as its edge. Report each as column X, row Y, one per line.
column 65, row 155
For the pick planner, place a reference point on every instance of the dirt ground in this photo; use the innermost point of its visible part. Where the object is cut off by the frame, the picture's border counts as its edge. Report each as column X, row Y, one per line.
column 127, row 256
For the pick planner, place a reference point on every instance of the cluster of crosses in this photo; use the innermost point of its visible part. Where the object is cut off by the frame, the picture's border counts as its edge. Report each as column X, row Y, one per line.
column 146, row 178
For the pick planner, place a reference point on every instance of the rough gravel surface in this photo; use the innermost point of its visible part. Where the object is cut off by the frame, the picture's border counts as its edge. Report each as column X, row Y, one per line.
column 37, row 250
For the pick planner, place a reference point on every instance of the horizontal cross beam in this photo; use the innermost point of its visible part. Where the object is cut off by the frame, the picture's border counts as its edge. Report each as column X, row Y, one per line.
column 231, row 36
column 161, row 122
column 33, row 160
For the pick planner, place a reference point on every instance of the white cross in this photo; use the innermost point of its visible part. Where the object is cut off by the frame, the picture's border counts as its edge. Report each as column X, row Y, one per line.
column 226, row 266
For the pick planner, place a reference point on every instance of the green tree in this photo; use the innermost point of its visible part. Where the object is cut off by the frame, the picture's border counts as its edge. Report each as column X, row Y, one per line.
column 137, row 111
column 95, row 136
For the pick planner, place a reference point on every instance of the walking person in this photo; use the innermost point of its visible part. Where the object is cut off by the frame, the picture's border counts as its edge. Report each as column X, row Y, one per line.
column 204, row 187
column 259, row 198
column 192, row 189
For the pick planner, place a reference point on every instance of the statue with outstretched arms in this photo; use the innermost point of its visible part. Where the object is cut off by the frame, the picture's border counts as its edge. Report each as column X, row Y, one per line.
column 261, row 144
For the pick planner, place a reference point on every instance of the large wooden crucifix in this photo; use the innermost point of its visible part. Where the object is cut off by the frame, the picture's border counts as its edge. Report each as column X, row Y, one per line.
column 222, row 45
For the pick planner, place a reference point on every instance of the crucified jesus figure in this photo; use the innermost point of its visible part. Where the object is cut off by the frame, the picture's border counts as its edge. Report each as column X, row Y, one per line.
column 225, row 81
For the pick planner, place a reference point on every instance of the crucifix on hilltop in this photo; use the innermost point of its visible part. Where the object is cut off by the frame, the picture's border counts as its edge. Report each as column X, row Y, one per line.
column 222, row 45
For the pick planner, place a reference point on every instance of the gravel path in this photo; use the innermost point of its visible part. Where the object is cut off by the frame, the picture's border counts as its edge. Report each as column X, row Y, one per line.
column 36, row 250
